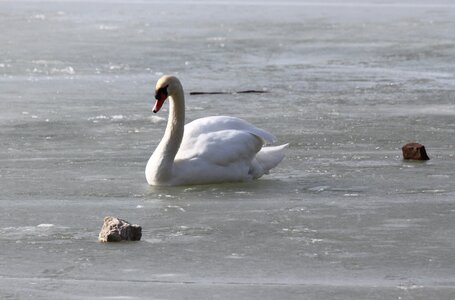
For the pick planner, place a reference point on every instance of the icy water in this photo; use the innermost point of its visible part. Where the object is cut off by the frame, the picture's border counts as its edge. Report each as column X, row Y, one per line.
column 342, row 217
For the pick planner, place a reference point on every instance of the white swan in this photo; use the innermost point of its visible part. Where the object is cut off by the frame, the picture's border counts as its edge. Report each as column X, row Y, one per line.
column 207, row 150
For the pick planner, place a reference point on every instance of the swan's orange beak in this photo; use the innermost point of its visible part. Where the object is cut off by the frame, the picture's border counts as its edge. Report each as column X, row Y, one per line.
column 160, row 98
column 158, row 104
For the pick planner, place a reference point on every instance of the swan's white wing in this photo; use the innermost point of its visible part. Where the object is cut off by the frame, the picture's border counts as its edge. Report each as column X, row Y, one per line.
column 221, row 148
column 218, row 123
column 218, row 149
column 225, row 155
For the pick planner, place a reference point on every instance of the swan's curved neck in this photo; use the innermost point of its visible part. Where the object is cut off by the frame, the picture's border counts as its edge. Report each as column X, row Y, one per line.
column 164, row 155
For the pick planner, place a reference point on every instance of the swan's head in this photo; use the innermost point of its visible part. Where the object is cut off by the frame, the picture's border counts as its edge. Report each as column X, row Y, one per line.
column 167, row 86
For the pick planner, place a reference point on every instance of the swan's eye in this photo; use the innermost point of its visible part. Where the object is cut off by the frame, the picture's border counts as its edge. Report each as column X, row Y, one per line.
column 161, row 93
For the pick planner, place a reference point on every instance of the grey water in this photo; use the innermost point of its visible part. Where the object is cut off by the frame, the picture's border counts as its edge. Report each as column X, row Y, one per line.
column 342, row 217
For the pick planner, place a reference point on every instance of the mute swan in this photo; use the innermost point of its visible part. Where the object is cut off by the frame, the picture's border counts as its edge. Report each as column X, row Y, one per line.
column 207, row 150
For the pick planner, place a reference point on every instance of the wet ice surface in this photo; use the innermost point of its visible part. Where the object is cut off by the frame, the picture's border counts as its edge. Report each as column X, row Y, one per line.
column 343, row 217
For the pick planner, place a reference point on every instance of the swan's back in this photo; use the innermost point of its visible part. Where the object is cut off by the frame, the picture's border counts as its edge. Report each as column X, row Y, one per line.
column 218, row 123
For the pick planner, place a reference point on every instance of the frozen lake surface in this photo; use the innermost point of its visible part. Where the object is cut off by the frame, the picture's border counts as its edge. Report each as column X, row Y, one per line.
column 342, row 217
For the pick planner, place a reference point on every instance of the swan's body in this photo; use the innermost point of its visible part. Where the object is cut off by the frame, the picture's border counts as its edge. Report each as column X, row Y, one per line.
column 207, row 150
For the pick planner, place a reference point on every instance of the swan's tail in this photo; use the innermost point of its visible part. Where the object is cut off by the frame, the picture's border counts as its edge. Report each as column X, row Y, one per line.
column 269, row 157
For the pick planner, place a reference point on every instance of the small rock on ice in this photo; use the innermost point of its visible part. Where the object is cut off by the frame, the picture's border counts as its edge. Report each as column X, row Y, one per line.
column 116, row 230
column 414, row 151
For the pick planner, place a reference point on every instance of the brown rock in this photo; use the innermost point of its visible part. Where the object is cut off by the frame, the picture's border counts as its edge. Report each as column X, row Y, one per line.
column 414, row 151
column 116, row 230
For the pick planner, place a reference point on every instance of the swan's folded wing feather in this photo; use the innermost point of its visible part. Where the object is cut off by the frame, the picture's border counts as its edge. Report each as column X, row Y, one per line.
column 221, row 147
